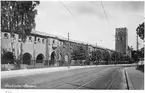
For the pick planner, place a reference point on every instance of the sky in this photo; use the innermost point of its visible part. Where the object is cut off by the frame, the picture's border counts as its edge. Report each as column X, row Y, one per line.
column 86, row 21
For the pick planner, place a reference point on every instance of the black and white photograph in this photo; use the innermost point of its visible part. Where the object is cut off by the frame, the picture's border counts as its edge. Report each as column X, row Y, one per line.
column 72, row 45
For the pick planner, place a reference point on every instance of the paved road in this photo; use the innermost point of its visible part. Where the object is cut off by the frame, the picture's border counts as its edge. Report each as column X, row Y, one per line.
column 105, row 77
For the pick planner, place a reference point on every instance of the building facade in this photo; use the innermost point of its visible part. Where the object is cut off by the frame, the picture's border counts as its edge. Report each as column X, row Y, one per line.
column 40, row 49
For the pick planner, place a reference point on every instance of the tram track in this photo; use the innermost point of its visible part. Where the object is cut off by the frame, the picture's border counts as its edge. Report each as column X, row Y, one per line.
column 78, row 86
column 103, row 74
column 78, row 78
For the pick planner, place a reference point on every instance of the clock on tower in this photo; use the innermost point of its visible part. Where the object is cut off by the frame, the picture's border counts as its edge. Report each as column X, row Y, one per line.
column 120, row 36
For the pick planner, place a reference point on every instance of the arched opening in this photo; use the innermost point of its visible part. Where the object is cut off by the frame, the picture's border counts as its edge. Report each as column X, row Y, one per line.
column 66, row 58
column 8, row 58
column 27, row 58
column 60, row 60
column 39, row 58
column 52, row 58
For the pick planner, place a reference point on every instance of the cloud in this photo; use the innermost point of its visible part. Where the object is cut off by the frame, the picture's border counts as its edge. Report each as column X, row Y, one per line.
column 133, row 6
column 86, row 8
column 126, row 6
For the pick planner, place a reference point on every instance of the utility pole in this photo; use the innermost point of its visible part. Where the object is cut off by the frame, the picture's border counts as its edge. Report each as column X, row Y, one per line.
column 136, row 46
column 34, row 50
column 68, row 51
column 96, row 51
column 115, row 59
column 136, row 42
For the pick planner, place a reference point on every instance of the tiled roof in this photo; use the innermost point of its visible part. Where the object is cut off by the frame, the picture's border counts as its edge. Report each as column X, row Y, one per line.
column 63, row 38
column 42, row 33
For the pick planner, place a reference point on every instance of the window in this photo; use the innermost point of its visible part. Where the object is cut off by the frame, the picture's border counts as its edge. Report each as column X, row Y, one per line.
column 30, row 39
column 39, row 40
column 13, row 36
column 43, row 41
column 6, row 36
column 53, row 41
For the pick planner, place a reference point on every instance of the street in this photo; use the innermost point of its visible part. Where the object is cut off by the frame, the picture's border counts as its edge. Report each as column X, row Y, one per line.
column 99, row 77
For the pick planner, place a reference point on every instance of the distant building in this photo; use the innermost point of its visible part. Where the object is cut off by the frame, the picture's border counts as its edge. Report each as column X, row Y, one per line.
column 121, row 40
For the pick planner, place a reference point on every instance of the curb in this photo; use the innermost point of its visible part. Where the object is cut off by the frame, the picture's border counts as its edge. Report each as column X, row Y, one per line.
column 25, row 72
column 128, row 81
column 124, row 81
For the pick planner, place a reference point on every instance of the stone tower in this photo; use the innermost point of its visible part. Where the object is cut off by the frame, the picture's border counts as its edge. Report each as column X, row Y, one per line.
column 121, row 40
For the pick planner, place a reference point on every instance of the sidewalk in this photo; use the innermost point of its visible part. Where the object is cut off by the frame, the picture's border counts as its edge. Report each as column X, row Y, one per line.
column 135, row 78
column 24, row 72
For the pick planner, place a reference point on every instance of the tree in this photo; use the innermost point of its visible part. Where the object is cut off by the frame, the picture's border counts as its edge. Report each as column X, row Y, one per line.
column 127, row 58
column 120, row 57
column 106, row 56
column 96, row 56
column 114, row 57
column 135, row 56
column 140, row 31
column 99, row 56
column 79, row 53
column 142, row 52
column 18, row 17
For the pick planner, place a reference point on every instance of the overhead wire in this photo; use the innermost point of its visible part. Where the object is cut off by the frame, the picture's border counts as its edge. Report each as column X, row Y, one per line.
column 104, row 10
column 67, row 8
column 106, row 17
